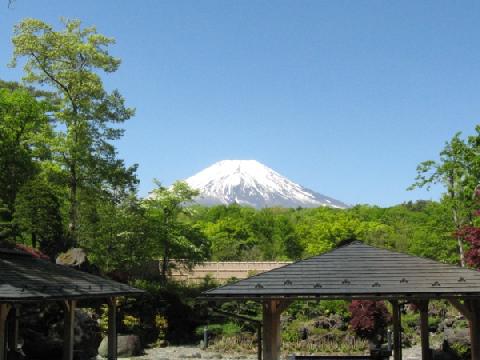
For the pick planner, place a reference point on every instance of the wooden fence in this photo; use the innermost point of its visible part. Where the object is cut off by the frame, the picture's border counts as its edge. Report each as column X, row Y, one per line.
column 225, row 270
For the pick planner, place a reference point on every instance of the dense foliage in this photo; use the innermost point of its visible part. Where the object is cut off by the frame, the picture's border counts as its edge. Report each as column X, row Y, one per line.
column 238, row 233
column 369, row 318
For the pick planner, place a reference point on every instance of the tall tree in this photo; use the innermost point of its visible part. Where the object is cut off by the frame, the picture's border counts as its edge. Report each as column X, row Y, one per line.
column 458, row 170
column 170, row 229
column 69, row 62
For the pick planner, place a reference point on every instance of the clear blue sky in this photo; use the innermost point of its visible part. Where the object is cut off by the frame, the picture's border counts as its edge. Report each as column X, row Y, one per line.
column 344, row 97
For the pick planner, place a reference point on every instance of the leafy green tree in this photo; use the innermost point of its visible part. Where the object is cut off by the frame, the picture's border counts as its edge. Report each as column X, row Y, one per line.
column 458, row 170
column 322, row 229
column 7, row 239
column 38, row 214
column 24, row 129
column 275, row 234
column 171, row 232
column 69, row 62
column 117, row 237
column 232, row 239
column 39, row 94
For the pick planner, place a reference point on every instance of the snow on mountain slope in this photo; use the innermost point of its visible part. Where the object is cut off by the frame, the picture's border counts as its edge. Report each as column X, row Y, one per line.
column 248, row 182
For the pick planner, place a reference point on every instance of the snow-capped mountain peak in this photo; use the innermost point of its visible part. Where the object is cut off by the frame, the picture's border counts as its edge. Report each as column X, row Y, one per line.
column 248, row 182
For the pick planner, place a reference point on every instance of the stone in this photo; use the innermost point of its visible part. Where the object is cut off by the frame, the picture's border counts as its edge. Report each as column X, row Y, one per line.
column 330, row 322
column 87, row 335
column 42, row 334
column 212, row 356
column 127, row 346
column 75, row 257
column 162, row 343
column 457, row 336
column 195, row 355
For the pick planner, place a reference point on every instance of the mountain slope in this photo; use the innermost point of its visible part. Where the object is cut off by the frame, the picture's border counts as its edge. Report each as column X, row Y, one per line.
column 248, row 182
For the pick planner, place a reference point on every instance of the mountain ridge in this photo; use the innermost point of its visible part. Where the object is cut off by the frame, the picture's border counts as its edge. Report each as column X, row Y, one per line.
column 251, row 183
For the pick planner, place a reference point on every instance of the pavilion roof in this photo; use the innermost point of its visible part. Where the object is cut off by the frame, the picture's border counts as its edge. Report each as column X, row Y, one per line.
column 357, row 271
column 25, row 278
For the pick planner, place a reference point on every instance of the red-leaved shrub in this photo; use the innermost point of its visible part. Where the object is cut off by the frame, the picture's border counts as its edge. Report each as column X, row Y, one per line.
column 471, row 235
column 369, row 318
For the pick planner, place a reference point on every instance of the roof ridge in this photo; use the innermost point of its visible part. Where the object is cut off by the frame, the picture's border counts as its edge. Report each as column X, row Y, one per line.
column 287, row 265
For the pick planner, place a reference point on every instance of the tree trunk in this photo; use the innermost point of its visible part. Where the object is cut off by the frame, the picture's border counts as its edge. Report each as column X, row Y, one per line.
column 73, row 214
column 164, row 273
column 459, row 239
column 34, row 240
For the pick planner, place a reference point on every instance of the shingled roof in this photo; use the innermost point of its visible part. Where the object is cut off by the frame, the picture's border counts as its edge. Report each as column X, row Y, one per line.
column 25, row 278
column 358, row 271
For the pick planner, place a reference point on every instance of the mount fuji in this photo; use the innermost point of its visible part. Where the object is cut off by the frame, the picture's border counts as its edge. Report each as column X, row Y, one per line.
column 250, row 183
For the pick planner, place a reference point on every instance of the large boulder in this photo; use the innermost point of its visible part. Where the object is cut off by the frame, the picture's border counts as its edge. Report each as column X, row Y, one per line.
column 332, row 321
column 42, row 334
column 77, row 258
column 457, row 336
column 127, row 346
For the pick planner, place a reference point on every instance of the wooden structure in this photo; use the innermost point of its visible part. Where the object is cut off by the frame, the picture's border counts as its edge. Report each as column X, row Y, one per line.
column 25, row 280
column 359, row 271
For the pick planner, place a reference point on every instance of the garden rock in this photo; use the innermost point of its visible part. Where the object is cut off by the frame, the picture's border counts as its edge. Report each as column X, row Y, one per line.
column 75, row 257
column 457, row 336
column 127, row 346
column 42, row 333
column 330, row 322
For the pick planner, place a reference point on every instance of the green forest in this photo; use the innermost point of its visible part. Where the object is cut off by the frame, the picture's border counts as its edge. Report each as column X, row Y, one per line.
column 63, row 185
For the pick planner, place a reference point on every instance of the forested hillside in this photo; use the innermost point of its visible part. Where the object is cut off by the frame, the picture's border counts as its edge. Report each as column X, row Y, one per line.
column 423, row 228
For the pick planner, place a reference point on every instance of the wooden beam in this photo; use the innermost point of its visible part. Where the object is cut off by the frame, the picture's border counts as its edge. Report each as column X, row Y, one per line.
column 423, row 308
column 462, row 308
column 474, row 322
column 68, row 329
column 12, row 328
column 397, row 330
column 259, row 342
column 4, row 310
column 272, row 310
column 112, row 328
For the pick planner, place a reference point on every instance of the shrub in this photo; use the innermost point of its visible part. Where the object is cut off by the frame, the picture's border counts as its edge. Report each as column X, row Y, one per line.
column 369, row 318
column 462, row 351
column 214, row 330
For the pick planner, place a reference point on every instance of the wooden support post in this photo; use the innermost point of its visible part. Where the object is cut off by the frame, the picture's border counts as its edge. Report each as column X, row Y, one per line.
column 272, row 329
column 112, row 329
column 423, row 308
column 12, row 328
column 4, row 309
column 471, row 310
column 397, row 331
column 259, row 342
column 474, row 321
column 68, row 329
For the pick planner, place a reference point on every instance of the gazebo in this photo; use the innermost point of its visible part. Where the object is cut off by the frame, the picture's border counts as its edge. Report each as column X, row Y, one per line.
column 360, row 271
column 26, row 280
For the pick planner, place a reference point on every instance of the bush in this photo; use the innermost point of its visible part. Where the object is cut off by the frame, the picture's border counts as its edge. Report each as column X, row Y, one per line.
column 462, row 351
column 215, row 330
column 369, row 318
